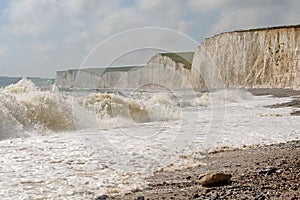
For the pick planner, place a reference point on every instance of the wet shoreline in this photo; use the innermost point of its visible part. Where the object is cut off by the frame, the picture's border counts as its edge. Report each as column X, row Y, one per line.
column 265, row 172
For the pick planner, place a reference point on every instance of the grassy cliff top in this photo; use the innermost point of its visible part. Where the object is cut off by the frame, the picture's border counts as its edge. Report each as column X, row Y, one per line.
column 100, row 71
column 185, row 58
column 297, row 26
column 110, row 69
column 269, row 28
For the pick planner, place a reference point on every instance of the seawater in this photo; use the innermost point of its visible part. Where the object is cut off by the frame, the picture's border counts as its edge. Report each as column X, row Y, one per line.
column 79, row 144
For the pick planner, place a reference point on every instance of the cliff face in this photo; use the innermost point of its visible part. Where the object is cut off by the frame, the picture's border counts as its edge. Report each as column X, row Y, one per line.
column 93, row 78
column 256, row 58
column 268, row 57
column 169, row 70
column 173, row 70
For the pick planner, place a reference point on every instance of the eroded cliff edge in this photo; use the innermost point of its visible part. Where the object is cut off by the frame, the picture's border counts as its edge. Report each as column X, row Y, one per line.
column 267, row 57
column 163, row 70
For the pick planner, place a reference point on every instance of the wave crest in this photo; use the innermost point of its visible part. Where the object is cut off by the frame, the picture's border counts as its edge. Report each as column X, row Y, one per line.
column 223, row 96
column 153, row 108
column 23, row 86
column 23, row 107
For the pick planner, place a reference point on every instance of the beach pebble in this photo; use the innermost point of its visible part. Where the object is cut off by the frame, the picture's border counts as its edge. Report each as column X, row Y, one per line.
column 214, row 178
column 196, row 196
column 268, row 170
column 214, row 196
column 102, row 197
column 260, row 197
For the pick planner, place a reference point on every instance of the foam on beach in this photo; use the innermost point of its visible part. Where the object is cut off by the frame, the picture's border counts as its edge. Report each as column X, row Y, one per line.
column 106, row 143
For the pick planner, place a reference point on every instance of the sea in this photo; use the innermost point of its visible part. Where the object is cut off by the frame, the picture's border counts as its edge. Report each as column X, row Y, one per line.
column 79, row 144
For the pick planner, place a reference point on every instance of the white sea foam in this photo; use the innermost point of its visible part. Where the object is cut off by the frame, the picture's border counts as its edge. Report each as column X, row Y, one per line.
column 222, row 97
column 103, row 143
column 23, row 86
column 113, row 110
column 23, row 107
column 13, row 117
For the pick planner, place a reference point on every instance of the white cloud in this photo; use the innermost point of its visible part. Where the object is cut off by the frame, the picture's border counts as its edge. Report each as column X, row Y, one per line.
column 111, row 18
column 73, row 7
column 31, row 17
column 44, row 46
column 157, row 6
column 206, row 6
column 38, row 17
column 63, row 31
column 118, row 21
column 149, row 5
column 184, row 26
column 252, row 14
column 3, row 49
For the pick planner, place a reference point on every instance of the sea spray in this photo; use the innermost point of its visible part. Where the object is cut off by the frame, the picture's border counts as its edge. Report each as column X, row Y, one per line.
column 13, row 116
column 23, row 107
column 48, row 111
column 221, row 97
column 111, row 160
column 23, row 86
column 137, row 109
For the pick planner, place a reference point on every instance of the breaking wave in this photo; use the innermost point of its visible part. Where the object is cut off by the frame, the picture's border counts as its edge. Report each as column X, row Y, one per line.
column 25, row 108
column 221, row 97
column 140, row 108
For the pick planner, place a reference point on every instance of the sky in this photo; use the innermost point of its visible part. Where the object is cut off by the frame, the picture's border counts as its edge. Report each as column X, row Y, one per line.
column 39, row 37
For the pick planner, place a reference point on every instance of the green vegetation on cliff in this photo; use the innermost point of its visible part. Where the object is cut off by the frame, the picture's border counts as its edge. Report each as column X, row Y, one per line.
column 185, row 58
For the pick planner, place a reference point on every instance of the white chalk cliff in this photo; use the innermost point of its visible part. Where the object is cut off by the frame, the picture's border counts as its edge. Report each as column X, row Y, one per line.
column 266, row 57
column 163, row 70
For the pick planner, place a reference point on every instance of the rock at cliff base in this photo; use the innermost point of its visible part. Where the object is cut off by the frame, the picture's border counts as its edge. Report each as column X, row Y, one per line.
column 214, row 178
